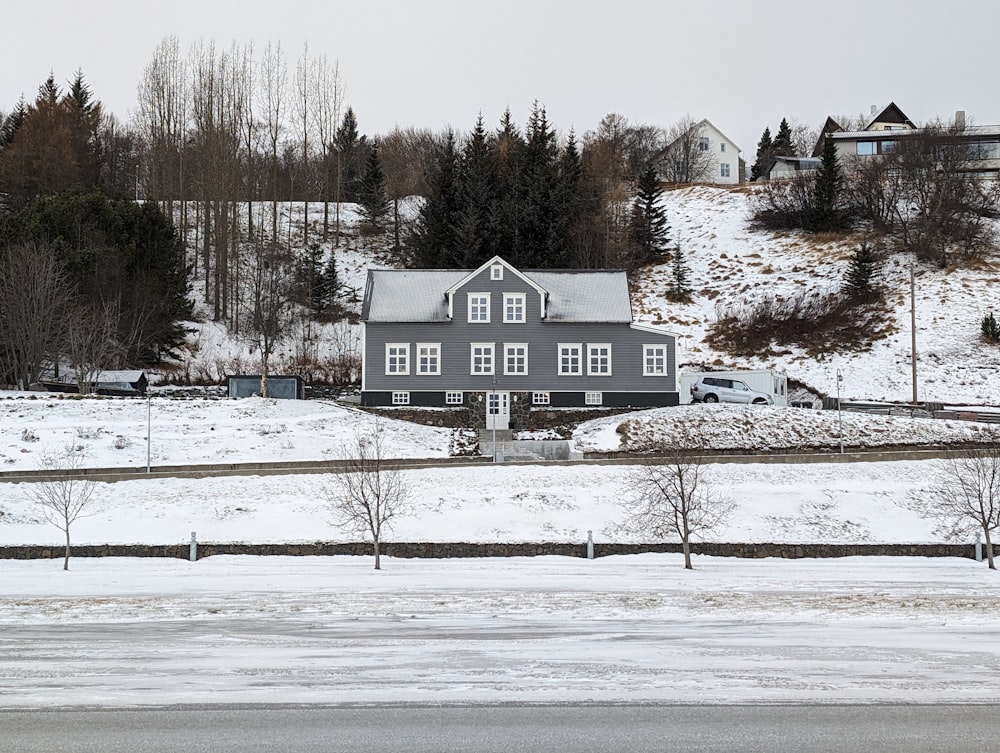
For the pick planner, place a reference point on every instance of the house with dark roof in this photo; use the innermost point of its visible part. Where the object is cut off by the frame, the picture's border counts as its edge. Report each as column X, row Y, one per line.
column 882, row 133
column 488, row 338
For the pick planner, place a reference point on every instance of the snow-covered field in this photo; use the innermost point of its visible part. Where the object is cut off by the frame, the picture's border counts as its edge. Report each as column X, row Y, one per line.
column 546, row 630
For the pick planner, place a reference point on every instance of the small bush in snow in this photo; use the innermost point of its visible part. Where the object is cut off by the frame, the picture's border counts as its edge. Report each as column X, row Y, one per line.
column 28, row 436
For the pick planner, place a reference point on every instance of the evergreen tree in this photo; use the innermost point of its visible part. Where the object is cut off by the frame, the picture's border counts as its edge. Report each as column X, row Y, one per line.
column 680, row 285
column 311, row 278
column 350, row 148
column 862, row 282
column 330, row 284
column 476, row 197
column 12, row 122
column 765, row 150
column 990, row 329
column 782, row 144
column 539, row 240
column 373, row 198
column 434, row 242
column 648, row 223
column 825, row 212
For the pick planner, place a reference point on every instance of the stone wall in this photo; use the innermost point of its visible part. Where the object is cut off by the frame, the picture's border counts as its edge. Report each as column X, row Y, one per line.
column 437, row 550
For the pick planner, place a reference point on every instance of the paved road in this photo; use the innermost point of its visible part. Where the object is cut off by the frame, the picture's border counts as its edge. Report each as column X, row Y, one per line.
column 510, row 729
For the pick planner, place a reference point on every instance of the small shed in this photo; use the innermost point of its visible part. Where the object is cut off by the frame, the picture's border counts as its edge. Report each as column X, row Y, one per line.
column 125, row 383
column 282, row 387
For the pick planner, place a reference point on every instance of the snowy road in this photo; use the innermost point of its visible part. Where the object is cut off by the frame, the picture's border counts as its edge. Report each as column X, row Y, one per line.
column 541, row 630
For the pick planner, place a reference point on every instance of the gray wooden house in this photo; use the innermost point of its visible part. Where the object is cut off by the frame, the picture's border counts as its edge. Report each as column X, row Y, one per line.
column 497, row 335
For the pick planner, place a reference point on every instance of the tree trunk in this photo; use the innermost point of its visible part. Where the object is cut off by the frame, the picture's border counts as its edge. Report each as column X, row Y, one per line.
column 989, row 549
column 687, row 553
column 66, row 559
column 378, row 563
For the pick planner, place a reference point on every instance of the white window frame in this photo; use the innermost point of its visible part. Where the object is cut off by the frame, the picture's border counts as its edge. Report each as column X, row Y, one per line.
column 509, row 349
column 496, row 272
column 454, row 398
column 479, row 304
column 592, row 349
column 540, row 398
column 654, row 352
column 436, row 371
column 400, row 398
column 519, row 302
column 579, row 359
column 593, row 398
column 724, row 169
column 703, row 143
column 402, row 366
column 489, row 350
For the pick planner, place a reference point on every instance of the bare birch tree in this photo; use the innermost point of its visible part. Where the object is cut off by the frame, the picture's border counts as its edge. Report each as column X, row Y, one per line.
column 303, row 77
column 273, row 90
column 965, row 495
column 365, row 495
column 326, row 99
column 671, row 495
column 65, row 495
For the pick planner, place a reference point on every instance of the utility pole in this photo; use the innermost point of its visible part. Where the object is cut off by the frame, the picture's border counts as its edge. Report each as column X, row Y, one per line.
column 913, row 328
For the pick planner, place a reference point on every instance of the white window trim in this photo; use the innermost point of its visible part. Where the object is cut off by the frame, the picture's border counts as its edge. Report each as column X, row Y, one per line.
column 454, row 398
column 645, row 360
column 523, row 299
column 491, row 347
column 405, row 371
column 593, row 398
column 496, row 272
column 591, row 347
column 437, row 359
column 400, row 398
column 507, row 348
column 541, row 398
column 473, row 296
column 559, row 362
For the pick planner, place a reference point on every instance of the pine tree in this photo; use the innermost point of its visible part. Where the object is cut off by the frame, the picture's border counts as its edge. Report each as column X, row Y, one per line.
column 680, row 285
column 990, row 329
column 764, row 151
column 330, row 284
column 373, row 199
column 862, row 284
column 825, row 211
column 311, row 278
column 434, row 242
column 12, row 122
column 648, row 222
column 476, row 197
column 349, row 147
column 782, row 144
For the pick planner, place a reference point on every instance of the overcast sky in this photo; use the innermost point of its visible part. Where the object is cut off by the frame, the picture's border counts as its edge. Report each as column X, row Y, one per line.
column 743, row 64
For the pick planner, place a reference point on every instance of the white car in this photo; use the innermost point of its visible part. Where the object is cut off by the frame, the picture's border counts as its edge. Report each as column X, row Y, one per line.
column 710, row 389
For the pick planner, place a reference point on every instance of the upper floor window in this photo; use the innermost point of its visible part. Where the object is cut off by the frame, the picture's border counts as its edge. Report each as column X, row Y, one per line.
column 513, row 307
column 397, row 358
column 479, row 307
column 515, row 358
column 724, row 169
column 722, row 146
column 482, row 358
column 599, row 359
column 570, row 359
column 429, row 358
column 866, row 148
column 703, row 143
column 654, row 360
column 496, row 272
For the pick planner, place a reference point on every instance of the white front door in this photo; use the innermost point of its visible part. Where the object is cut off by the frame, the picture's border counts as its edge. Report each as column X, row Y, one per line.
column 498, row 410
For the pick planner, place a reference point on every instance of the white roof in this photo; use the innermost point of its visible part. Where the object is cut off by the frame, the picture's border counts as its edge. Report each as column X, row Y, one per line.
column 420, row 295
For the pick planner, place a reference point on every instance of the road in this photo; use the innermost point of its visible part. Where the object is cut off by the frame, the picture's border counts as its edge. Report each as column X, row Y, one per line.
column 510, row 729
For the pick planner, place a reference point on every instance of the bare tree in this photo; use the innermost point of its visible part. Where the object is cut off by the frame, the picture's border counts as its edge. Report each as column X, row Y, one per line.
column 273, row 90
column 326, row 98
column 670, row 495
column 367, row 495
column 268, row 314
column 92, row 342
column 965, row 495
column 304, row 73
column 688, row 157
column 34, row 296
column 65, row 495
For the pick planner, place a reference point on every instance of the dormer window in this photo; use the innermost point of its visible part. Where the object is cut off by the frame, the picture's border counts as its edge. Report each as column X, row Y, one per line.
column 496, row 272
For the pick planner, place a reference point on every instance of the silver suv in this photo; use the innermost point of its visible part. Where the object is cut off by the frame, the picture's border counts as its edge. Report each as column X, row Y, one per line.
column 710, row 389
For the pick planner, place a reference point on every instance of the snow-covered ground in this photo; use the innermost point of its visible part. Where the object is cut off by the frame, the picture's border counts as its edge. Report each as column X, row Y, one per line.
column 547, row 630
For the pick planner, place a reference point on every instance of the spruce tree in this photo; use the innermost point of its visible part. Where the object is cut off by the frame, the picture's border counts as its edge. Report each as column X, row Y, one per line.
column 825, row 213
column 648, row 223
column 373, row 199
column 311, row 278
column 862, row 284
column 782, row 144
column 764, row 151
column 434, row 242
column 989, row 328
column 680, row 285
column 476, row 197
